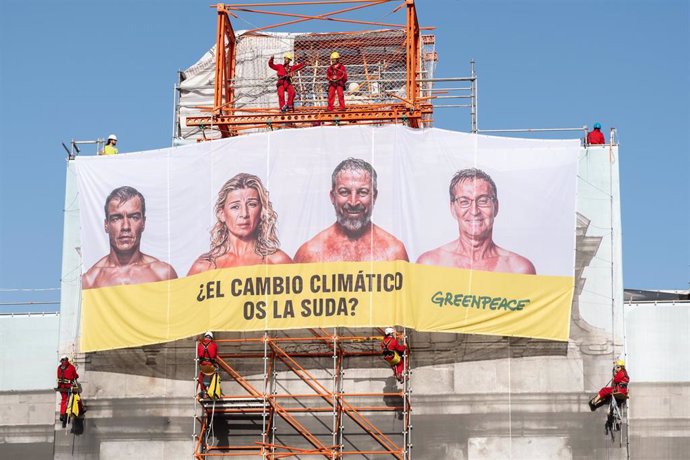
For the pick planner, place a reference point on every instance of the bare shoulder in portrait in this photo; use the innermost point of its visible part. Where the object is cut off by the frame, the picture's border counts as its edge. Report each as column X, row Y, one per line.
column 353, row 237
column 245, row 229
column 125, row 222
column 474, row 205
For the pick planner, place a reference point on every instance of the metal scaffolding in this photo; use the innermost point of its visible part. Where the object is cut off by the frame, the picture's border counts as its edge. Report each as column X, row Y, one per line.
column 391, row 72
column 304, row 400
column 387, row 64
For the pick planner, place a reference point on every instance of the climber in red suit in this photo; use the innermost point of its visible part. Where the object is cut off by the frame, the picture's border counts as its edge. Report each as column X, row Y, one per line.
column 337, row 77
column 206, row 352
column 595, row 136
column 285, row 71
column 66, row 375
column 394, row 353
column 618, row 387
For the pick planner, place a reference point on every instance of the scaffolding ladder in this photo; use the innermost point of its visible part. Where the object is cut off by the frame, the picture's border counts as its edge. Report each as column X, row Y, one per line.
column 289, row 401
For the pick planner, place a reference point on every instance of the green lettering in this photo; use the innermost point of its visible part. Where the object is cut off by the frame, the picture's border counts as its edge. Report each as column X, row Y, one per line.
column 466, row 301
column 494, row 303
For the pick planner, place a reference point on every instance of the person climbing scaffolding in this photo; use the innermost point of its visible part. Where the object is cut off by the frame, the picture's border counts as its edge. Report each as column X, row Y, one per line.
column 209, row 378
column 394, row 353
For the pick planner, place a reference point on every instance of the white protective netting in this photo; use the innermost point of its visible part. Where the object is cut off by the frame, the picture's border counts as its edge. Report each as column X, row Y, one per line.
column 375, row 62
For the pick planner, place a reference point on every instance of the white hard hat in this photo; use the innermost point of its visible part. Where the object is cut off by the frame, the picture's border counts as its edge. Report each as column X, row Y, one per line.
column 352, row 87
column 208, row 334
column 112, row 137
column 389, row 331
column 64, row 357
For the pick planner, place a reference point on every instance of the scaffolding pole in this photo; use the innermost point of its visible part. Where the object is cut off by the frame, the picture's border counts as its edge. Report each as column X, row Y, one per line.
column 295, row 407
column 230, row 119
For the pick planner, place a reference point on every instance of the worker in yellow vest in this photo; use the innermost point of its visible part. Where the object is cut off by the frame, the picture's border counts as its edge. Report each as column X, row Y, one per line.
column 110, row 148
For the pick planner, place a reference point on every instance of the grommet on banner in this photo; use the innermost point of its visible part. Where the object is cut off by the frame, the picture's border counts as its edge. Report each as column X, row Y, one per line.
column 269, row 123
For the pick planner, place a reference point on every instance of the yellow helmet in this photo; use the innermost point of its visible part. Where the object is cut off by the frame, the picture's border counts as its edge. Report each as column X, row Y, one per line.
column 335, row 55
column 620, row 363
column 288, row 56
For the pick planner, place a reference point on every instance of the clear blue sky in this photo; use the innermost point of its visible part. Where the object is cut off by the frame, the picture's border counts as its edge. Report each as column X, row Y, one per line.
column 84, row 69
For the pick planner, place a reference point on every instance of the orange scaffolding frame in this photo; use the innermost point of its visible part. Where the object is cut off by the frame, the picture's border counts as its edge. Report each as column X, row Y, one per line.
column 271, row 405
column 414, row 110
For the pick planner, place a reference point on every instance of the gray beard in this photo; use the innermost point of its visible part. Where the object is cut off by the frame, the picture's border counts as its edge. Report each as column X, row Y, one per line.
column 353, row 225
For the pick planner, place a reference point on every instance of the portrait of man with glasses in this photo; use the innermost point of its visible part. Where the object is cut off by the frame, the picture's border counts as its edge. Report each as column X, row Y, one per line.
column 474, row 205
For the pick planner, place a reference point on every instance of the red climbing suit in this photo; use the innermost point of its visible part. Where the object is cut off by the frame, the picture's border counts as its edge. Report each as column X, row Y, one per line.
column 619, row 385
column 66, row 375
column 284, row 82
column 207, row 352
column 389, row 344
column 595, row 137
column 337, row 77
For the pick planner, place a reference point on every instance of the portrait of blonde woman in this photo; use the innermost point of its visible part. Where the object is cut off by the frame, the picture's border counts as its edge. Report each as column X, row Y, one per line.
column 245, row 230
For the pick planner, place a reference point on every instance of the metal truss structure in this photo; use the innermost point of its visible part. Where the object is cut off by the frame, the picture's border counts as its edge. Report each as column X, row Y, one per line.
column 304, row 399
column 393, row 68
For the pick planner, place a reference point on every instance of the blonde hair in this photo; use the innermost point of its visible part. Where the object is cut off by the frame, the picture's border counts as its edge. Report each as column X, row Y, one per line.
column 266, row 238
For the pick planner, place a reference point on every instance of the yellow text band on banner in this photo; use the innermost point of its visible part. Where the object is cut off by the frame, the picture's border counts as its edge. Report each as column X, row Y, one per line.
column 349, row 294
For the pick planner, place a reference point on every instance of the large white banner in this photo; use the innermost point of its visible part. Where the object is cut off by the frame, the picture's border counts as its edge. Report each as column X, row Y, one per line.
column 482, row 211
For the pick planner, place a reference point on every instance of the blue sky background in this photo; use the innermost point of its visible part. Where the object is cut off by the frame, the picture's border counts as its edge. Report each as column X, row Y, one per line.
column 84, row 69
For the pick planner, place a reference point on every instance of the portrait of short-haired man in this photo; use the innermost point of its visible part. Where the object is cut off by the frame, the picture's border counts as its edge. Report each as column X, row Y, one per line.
column 353, row 236
column 125, row 222
column 474, row 205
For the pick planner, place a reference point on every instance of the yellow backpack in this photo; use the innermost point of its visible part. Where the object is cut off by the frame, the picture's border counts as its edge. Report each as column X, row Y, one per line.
column 73, row 405
column 214, row 391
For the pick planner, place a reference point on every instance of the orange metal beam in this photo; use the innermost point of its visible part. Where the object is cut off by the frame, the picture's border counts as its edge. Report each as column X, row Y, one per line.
column 395, row 115
column 307, row 410
column 321, row 17
column 350, row 410
column 239, row 379
column 202, row 433
column 302, row 373
column 312, row 395
column 231, row 6
column 226, row 454
column 230, row 120
column 267, row 425
column 313, row 440
column 390, row 448
column 413, row 62
column 325, row 16
column 220, row 58
column 340, row 338
column 234, row 447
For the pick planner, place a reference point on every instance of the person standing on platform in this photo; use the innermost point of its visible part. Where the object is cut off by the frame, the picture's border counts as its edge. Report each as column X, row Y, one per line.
column 595, row 136
column 337, row 77
column 206, row 352
column 110, row 146
column 66, row 376
column 284, row 83
column 394, row 353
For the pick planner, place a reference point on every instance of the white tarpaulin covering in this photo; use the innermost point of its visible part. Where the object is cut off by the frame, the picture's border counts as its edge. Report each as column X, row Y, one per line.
column 461, row 263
